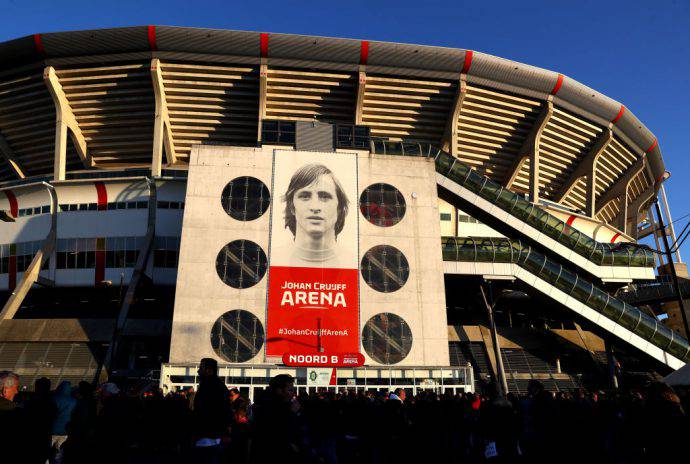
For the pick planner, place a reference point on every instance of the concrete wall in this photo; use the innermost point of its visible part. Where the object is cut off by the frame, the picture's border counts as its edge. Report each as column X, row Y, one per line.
column 201, row 296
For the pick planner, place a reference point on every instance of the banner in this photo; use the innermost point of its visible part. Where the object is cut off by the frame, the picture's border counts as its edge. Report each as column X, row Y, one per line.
column 313, row 295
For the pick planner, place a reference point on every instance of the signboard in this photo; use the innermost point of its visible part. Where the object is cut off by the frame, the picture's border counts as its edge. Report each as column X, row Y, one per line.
column 323, row 360
column 313, row 295
column 320, row 377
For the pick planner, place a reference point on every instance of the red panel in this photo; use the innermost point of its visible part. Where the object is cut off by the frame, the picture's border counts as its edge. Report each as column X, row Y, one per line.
column 619, row 115
column 153, row 43
column 102, row 196
column 571, row 219
column 652, row 146
column 14, row 205
column 310, row 308
column 38, row 43
column 558, row 85
column 468, row 62
column 364, row 52
column 615, row 237
column 100, row 266
column 264, row 45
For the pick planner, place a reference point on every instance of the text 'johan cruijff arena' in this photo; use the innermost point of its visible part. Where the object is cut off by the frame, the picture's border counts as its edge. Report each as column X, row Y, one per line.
column 358, row 214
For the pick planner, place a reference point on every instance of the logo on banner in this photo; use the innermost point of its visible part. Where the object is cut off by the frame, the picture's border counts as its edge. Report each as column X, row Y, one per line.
column 313, row 296
column 319, row 377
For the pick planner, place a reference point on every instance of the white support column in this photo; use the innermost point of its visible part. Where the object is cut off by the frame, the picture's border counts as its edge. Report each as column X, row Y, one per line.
column 530, row 150
column 7, row 153
column 669, row 220
column 634, row 209
column 450, row 135
column 64, row 121
column 587, row 168
column 361, row 90
column 263, row 90
column 162, row 130
column 620, row 188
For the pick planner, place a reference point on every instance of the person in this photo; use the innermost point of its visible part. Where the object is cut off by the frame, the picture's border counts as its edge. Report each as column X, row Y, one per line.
column 211, row 415
column 65, row 404
column 39, row 413
column 80, row 428
column 9, row 413
column 397, row 425
column 315, row 210
column 278, row 435
column 240, row 426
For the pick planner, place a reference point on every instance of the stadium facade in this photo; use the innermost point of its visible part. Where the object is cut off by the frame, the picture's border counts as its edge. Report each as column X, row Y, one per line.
column 174, row 193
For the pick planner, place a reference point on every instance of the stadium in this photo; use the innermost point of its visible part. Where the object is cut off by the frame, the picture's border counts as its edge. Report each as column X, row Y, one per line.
column 440, row 218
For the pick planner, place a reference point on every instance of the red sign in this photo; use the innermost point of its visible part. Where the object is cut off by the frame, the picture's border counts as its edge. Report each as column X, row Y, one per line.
column 312, row 311
column 323, row 360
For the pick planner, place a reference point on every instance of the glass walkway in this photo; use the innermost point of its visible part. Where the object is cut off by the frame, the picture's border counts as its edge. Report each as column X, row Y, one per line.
column 541, row 272
column 603, row 260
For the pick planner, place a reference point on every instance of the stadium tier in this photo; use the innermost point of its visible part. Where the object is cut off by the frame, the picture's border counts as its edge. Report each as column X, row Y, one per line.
column 387, row 214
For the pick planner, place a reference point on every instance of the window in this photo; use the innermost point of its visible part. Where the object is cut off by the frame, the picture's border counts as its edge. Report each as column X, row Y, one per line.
column 382, row 204
column 237, row 336
column 387, row 338
column 245, row 198
column 166, row 251
column 446, row 217
column 241, row 264
column 351, row 136
column 385, row 268
column 278, row 132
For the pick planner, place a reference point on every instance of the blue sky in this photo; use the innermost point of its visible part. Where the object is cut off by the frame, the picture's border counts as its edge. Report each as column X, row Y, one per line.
column 637, row 52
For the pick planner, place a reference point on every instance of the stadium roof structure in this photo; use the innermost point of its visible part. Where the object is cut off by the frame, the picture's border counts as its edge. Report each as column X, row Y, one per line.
column 109, row 89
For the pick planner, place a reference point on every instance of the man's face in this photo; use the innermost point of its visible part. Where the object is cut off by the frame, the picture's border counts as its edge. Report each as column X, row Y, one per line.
column 287, row 393
column 316, row 207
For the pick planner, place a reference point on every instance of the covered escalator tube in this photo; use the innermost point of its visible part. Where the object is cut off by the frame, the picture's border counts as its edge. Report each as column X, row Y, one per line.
column 504, row 250
column 602, row 254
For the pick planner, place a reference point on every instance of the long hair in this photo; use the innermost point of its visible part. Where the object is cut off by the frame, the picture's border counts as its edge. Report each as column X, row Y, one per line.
column 305, row 176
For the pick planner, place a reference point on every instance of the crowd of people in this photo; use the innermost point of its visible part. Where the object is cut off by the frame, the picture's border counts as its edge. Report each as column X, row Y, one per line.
column 215, row 424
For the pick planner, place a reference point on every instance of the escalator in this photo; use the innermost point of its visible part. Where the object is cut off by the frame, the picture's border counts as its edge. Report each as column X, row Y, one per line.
column 512, row 215
column 508, row 257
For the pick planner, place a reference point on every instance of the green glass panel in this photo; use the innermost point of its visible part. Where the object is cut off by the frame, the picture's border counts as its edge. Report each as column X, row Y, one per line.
column 534, row 263
column 466, row 250
column 458, row 172
column 678, row 348
column 412, row 149
column 506, row 199
column 443, row 163
column 569, row 237
column 490, row 191
column 626, row 316
column 553, row 227
column 566, row 281
column 474, row 181
column 503, row 251
column 521, row 209
column 485, row 251
column 449, row 249
column 550, row 271
column 662, row 337
column 646, row 328
column 598, row 299
column 622, row 257
column 582, row 290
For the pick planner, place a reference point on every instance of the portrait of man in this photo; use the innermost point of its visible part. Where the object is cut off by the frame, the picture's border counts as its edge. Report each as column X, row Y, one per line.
column 316, row 208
